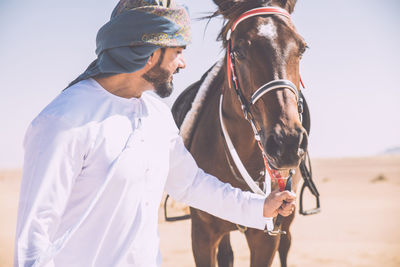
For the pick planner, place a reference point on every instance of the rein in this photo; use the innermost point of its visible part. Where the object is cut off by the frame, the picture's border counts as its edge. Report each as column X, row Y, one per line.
column 284, row 183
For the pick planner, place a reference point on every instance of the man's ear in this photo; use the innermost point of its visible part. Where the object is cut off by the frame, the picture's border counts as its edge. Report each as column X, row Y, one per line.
column 153, row 58
column 150, row 61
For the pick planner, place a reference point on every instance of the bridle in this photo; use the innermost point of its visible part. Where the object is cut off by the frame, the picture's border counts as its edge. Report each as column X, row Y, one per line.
column 270, row 173
column 268, row 87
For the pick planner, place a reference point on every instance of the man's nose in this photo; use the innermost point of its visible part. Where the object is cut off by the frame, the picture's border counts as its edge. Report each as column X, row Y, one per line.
column 182, row 62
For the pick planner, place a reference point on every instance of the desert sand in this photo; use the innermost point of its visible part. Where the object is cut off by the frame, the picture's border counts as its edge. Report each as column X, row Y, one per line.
column 358, row 226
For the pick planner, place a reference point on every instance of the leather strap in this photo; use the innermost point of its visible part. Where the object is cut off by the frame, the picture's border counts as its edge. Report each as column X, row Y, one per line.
column 273, row 85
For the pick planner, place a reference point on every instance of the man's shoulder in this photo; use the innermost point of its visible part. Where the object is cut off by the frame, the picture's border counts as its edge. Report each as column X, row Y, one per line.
column 75, row 105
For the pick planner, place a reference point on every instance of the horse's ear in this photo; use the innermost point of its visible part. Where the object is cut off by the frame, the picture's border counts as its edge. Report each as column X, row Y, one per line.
column 286, row 4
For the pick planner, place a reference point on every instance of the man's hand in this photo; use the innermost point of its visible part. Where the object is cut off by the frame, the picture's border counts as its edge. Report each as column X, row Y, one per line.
column 279, row 202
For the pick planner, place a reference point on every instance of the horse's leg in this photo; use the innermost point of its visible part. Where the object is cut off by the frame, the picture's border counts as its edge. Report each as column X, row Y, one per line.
column 225, row 253
column 205, row 239
column 262, row 247
column 286, row 240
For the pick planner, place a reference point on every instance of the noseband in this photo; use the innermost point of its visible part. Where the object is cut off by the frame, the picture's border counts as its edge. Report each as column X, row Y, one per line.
column 283, row 182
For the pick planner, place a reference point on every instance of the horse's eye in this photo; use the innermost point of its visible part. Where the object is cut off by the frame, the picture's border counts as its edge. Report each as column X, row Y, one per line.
column 239, row 48
column 303, row 50
column 238, row 53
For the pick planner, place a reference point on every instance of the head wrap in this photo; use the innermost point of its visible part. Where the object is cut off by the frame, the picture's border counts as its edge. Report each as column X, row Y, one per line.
column 136, row 29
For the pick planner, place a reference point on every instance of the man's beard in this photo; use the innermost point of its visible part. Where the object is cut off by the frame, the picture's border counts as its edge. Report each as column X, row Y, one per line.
column 160, row 78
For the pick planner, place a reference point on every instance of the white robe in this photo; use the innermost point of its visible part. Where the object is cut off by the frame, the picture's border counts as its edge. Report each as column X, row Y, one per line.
column 95, row 169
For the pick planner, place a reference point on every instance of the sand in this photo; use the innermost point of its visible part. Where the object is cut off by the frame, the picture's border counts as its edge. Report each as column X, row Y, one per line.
column 358, row 225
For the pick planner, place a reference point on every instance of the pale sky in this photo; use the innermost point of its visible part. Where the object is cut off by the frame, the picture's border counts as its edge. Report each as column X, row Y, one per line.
column 351, row 70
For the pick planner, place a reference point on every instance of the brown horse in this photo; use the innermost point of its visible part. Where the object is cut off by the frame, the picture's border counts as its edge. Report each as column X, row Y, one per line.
column 258, row 79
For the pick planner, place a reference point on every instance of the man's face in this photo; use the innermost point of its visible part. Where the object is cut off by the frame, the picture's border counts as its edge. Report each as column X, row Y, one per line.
column 160, row 75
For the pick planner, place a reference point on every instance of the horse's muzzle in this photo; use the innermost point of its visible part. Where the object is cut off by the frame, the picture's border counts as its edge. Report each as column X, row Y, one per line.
column 285, row 148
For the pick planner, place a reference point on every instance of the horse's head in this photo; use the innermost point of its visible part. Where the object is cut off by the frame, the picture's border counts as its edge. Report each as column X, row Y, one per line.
column 267, row 48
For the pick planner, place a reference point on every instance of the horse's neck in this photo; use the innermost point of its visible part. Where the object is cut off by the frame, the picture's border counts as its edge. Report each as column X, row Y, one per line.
column 209, row 146
column 199, row 103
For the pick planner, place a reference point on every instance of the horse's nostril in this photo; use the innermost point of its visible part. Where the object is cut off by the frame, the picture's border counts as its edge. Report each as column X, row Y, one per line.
column 303, row 141
column 273, row 145
column 300, row 152
column 286, row 149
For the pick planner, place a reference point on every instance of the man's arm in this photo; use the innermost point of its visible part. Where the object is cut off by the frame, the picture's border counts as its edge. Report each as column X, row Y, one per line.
column 53, row 159
column 189, row 184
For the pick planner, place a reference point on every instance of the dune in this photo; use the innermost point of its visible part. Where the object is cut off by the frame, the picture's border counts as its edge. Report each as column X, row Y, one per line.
column 358, row 225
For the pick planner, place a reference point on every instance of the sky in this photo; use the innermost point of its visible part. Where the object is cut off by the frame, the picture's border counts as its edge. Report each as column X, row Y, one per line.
column 351, row 70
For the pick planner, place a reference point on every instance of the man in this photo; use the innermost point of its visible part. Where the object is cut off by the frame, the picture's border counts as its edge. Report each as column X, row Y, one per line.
column 99, row 156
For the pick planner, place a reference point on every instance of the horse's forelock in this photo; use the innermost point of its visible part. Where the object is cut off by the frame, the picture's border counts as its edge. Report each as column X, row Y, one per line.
column 231, row 10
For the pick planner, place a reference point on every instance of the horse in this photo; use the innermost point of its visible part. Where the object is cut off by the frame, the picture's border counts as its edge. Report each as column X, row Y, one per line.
column 250, row 97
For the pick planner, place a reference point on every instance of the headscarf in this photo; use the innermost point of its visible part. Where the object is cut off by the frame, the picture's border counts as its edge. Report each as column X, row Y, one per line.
column 136, row 29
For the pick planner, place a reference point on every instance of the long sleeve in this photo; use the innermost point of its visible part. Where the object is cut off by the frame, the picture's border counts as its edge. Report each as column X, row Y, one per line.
column 187, row 183
column 53, row 159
